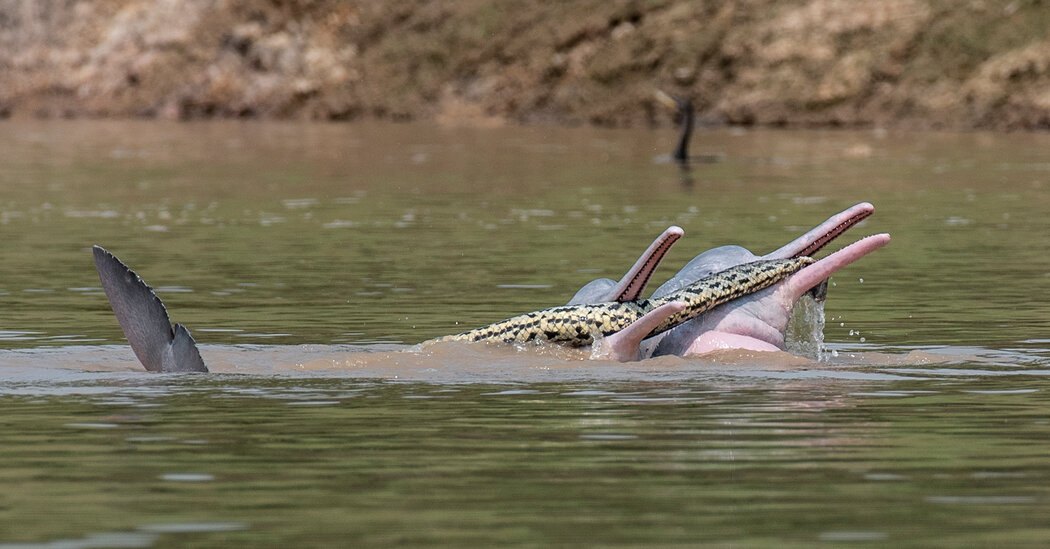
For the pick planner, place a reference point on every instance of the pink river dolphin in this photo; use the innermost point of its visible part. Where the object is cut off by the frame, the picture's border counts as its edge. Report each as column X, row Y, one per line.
column 754, row 322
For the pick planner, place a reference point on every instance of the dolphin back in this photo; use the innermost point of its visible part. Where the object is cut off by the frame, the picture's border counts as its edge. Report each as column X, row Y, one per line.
column 144, row 319
column 594, row 291
column 706, row 264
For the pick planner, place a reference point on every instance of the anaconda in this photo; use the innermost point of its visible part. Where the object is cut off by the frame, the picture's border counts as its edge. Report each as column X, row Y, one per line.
column 580, row 325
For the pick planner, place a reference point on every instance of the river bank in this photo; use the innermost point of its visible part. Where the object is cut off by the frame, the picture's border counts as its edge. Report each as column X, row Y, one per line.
column 915, row 64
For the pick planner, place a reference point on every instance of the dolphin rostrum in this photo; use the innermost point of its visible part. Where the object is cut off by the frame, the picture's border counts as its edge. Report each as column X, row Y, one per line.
column 630, row 287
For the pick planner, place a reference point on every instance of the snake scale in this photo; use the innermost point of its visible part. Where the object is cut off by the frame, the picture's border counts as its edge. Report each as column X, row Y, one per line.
column 580, row 325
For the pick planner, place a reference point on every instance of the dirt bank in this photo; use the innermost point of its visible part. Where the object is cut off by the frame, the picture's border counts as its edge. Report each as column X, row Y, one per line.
column 890, row 63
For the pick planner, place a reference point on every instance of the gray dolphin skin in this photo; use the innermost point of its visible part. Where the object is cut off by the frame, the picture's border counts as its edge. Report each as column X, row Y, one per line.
column 144, row 320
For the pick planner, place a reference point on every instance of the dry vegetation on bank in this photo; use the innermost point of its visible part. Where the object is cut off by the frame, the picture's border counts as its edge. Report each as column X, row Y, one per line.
column 891, row 63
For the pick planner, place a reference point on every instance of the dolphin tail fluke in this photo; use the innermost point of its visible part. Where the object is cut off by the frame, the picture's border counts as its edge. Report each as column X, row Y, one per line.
column 184, row 351
column 144, row 320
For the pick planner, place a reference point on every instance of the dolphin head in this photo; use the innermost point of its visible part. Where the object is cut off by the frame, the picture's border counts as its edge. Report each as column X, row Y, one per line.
column 758, row 321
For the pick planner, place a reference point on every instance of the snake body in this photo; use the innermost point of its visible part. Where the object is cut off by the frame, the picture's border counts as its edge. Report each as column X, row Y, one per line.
column 580, row 325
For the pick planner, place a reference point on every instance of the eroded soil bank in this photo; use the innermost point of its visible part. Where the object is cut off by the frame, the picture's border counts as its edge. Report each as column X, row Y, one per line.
column 891, row 63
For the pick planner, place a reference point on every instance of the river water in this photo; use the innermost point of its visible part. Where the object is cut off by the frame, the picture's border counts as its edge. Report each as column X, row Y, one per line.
column 308, row 260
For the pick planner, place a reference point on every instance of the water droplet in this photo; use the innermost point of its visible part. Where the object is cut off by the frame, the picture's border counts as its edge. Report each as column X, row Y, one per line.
column 187, row 477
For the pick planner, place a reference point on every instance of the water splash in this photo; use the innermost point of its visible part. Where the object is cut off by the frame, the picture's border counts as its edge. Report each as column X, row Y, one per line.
column 805, row 331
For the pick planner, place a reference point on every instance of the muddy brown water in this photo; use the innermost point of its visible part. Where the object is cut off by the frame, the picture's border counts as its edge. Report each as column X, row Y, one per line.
column 308, row 260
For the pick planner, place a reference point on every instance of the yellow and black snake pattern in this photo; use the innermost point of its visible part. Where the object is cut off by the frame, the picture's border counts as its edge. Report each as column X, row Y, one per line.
column 580, row 325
